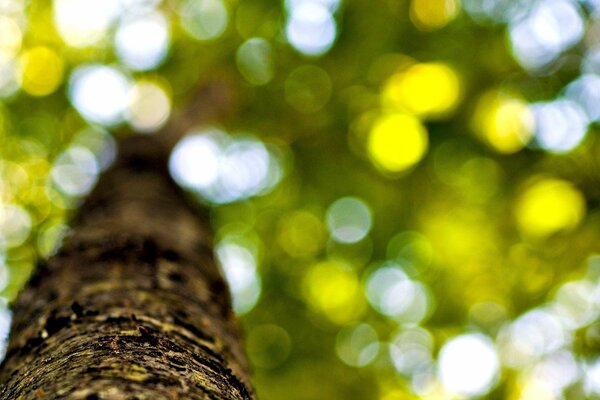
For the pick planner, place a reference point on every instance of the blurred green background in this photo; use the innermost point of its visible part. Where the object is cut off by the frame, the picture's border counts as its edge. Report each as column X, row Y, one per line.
column 405, row 194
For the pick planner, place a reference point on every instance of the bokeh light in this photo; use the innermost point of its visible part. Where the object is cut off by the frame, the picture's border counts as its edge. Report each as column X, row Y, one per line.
column 549, row 28
column 411, row 351
column 142, row 42
column 99, row 93
column 494, row 11
column 549, row 206
column 196, row 161
column 149, row 106
column 83, row 23
column 9, row 82
column 433, row 14
column 592, row 378
column 576, row 304
column 239, row 266
column 99, row 142
column 10, row 35
column 75, row 171
column 15, row 225
column 427, row 89
column 585, row 91
column 534, row 334
column 223, row 168
column 331, row 5
column 5, row 320
column 50, row 238
column 591, row 60
column 357, row 345
column 468, row 365
column 349, row 220
column 204, row 19
column 391, row 292
column 333, row 289
column 397, row 142
column 549, row 378
column 41, row 71
column 254, row 61
column 311, row 28
column 504, row 122
column 559, row 125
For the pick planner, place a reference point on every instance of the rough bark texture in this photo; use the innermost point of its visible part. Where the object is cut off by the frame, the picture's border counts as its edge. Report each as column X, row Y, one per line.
column 133, row 306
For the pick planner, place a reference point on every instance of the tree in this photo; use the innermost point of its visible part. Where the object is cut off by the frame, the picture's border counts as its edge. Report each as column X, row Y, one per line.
column 133, row 306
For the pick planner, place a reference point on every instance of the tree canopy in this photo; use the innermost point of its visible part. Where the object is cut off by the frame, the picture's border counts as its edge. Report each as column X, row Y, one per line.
column 404, row 193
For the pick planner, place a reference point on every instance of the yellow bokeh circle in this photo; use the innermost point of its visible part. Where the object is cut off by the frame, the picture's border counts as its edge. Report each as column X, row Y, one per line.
column 41, row 71
column 396, row 142
column 433, row 14
column 426, row 89
column 549, row 206
column 334, row 290
column 503, row 122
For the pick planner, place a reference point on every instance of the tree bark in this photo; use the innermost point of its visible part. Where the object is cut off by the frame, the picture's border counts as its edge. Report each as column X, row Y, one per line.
column 133, row 306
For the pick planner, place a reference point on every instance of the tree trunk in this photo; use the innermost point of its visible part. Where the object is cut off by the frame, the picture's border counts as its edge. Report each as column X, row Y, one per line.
column 133, row 306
